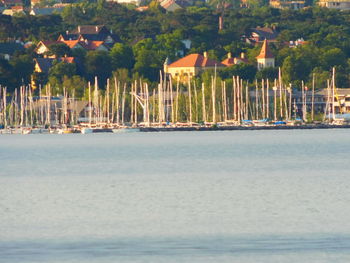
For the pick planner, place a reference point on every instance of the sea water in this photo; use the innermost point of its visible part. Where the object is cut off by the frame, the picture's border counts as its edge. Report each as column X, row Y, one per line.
column 235, row 196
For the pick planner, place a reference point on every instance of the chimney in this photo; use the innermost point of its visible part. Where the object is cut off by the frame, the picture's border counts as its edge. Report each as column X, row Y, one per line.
column 67, row 32
column 79, row 29
column 205, row 54
column 229, row 55
column 96, row 28
column 242, row 55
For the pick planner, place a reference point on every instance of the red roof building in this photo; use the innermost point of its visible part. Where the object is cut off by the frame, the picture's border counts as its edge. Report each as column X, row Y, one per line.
column 230, row 61
column 190, row 66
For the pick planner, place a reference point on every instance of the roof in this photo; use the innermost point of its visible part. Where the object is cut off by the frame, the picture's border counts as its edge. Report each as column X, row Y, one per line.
column 174, row 4
column 196, row 60
column 338, row 92
column 44, row 64
column 142, row 8
column 91, row 33
column 10, row 48
column 265, row 33
column 89, row 29
column 45, row 11
column 68, row 59
column 228, row 62
column 265, row 51
column 71, row 43
column 91, row 45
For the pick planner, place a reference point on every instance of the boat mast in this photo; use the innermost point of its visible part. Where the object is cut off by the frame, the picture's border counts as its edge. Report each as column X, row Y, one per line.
column 204, row 114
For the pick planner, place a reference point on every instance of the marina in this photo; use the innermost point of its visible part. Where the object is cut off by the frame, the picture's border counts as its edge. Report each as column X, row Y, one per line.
column 189, row 106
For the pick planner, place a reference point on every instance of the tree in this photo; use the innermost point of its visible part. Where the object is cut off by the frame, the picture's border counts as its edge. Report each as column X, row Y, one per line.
column 58, row 72
column 23, row 66
column 98, row 63
column 6, row 74
column 59, row 50
column 333, row 57
column 244, row 71
column 75, row 84
column 122, row 56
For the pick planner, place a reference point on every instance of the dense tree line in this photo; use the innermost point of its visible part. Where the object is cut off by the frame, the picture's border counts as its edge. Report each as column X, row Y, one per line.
column 149, row 37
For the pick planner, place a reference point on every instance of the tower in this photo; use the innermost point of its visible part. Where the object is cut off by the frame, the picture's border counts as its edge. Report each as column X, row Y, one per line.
column 265, row 58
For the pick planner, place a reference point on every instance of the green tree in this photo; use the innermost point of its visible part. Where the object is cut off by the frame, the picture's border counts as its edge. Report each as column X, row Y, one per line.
column 98, row 63
column 59, row 50
column 122, row 56
column 23, row 66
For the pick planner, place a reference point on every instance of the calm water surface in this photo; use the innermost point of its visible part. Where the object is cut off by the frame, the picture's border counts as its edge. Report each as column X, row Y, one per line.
column 238, row 196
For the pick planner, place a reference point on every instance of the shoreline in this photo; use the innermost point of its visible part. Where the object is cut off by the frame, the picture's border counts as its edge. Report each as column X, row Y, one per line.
column 84, row 130
column 245, row 128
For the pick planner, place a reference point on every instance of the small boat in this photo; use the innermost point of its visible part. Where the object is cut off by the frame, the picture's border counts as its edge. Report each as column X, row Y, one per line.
column 64, row 131
column 87, row 130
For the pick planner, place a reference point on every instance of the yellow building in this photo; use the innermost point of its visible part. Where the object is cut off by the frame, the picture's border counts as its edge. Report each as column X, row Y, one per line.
column 191, row 66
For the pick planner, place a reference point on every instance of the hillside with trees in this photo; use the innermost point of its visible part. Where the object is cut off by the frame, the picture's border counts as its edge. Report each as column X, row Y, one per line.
column 150, row 37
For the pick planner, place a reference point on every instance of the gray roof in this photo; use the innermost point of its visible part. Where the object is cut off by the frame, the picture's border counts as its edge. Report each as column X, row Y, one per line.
column 45, row 64
column 265, row 33
column 46, row 10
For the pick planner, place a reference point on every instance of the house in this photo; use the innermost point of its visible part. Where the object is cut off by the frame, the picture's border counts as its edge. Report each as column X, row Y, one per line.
column 341, row 99
column 259, row 34
column 86, row 44
column 172, row 5
column 285, row 4
column 8, row 49
column 191, row 66
column 134, row 2
column 45, row 11
column 335, row 4
column 265, row 59
column 14, row 10
column 91, row 33
column 43, row 65
column 229, row 61
column 297, row 43
column 44, row 46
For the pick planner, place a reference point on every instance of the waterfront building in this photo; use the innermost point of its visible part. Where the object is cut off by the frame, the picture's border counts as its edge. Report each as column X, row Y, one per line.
column 190, row 66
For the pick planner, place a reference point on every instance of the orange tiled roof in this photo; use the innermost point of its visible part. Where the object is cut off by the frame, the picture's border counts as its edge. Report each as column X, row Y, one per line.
column 91, row 45
column 71, row 43
column 265, row 51
column 228, row 62
column 68, row 59
column 196, row 60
